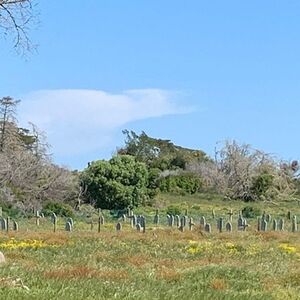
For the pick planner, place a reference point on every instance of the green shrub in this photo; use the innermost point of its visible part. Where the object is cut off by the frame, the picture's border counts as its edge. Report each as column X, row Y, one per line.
column 59, row 208
column 173, row 210
column 118, row 183
column 261, row 184
column 196, row 207
column 185, row 183
column 8, row 209
column 153, row 183
column 251, row 212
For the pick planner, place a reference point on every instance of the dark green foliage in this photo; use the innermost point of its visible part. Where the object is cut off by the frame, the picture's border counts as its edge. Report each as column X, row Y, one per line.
column 153, row 181
column 173, row 210
column 59, row 208
column 117, row 213
column 11, row 210
column 178, row 161
column 118, row 183
column 261, row 184
column 251, row 212
column 158, row 153
column 185, row 183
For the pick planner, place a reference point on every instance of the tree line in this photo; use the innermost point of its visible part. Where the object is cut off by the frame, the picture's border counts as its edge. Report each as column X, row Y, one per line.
column 146, row 166
column 137, row 172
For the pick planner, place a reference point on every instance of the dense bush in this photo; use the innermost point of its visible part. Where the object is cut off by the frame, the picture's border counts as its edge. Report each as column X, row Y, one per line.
column 153, row 182
column 261, row 184
column 8, row 209
column 59, row 208
column 185, row 183
column 118, row 183
column 173, row 210
column 251, row 212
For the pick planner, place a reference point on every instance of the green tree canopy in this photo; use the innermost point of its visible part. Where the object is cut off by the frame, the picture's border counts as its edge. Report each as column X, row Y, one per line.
column 118, row 183
column 159, row 153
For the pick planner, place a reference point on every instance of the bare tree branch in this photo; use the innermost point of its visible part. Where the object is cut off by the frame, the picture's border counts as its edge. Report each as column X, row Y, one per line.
column 239, row 169
column 16, row 19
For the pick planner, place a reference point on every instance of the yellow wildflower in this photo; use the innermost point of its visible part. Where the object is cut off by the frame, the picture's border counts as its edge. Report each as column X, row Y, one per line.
column 196, row 247
column 13, row 244
column 230, row 246
column 287, row 248
column 192, row 250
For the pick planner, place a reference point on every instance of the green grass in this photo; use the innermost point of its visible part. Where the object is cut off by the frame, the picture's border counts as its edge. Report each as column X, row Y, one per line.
column 163, row 263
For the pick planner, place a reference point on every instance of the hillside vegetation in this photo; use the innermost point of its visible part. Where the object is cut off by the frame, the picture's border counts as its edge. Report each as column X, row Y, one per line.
column 138, row 173
column 237, row 172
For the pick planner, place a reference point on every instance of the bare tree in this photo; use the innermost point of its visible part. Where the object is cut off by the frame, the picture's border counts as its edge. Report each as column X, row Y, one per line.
column 16, row 19
column 80, row 193
column 39, row 146
column 210, row 173
column 34, row 180
column 243, row 173
column 27, row 175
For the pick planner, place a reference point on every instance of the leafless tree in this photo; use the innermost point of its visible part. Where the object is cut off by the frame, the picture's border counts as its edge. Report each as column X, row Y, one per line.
column 34, row 181
column 239, row 169
column 210, row 173
column 291, row 168
column 40, row 147
column 81, row 192
column 27, row 175
column 16, row 19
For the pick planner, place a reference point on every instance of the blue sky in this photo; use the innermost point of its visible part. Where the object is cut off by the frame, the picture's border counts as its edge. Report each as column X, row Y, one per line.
column 196, row 72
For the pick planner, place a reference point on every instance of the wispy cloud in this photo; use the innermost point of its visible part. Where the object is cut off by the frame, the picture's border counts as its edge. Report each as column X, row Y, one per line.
column 81, row 121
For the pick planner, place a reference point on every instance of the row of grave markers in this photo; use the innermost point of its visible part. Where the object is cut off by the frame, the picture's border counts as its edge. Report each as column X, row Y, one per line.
column 180, row 222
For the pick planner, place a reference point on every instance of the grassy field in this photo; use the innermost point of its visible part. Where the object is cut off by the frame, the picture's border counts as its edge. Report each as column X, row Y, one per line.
column 162, row 263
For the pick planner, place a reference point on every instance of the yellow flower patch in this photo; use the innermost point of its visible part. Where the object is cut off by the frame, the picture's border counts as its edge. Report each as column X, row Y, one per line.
column 13, row 244
column 286, row 248
column 227, row 248
column 195, row 247
column 231, row 248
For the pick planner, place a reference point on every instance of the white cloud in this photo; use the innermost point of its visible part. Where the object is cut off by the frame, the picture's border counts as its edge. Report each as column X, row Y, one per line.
column 81, row 121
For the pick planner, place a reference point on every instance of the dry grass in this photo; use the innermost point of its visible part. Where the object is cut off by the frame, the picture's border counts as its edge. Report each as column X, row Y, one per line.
column 74, row 273
column 83, row 272
column 270, row 283
column 9, row 282
column 137, row 261
column 218, row 284
column 13, row 256
column 168, row 275
column 101, row 255
column 22, row 259
column 292, row 279
column 274, row 236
